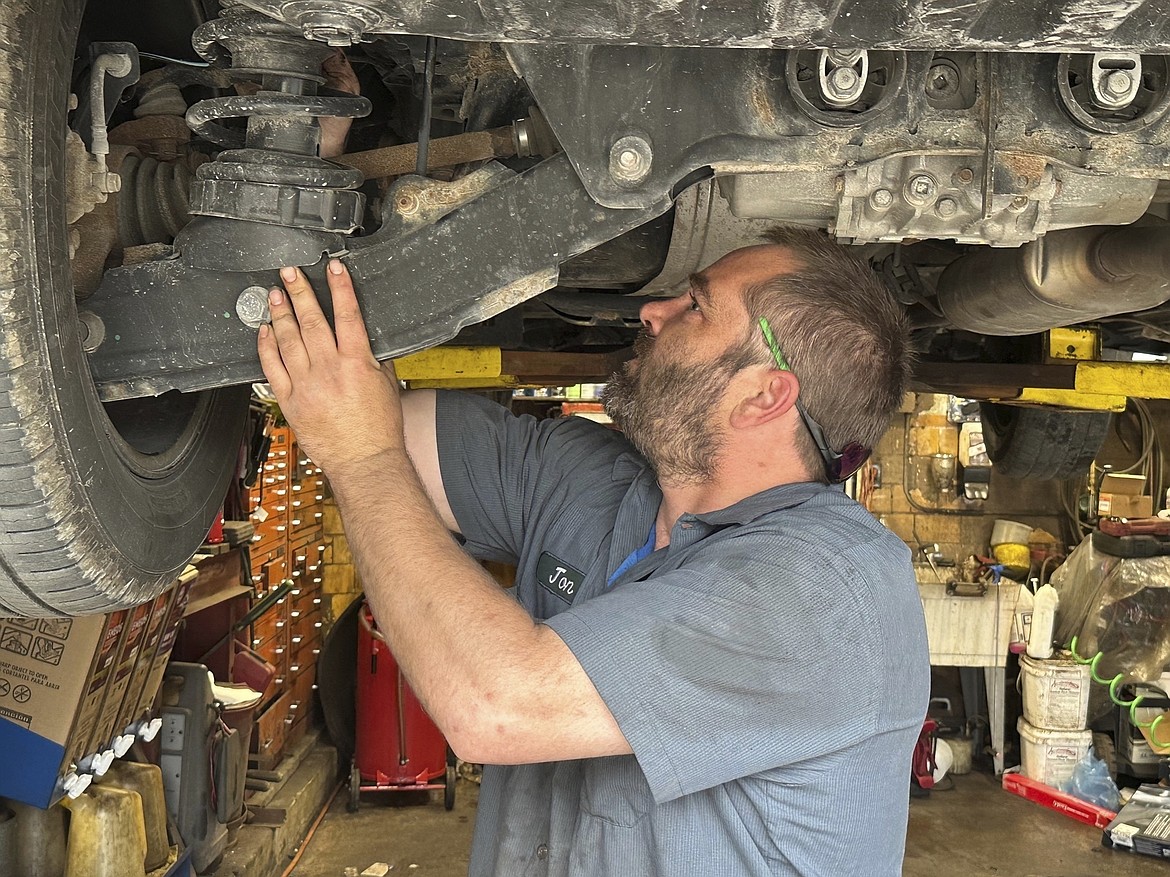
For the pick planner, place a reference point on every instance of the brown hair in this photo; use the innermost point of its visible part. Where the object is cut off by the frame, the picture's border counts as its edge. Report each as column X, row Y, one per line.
column 843, row 333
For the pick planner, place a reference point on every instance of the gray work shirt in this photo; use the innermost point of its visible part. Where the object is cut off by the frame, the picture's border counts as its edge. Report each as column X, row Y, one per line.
column 769, row 667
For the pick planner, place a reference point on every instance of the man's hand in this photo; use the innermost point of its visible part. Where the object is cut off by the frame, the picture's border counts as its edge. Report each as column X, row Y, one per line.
column 339, row 75
column 343, row 405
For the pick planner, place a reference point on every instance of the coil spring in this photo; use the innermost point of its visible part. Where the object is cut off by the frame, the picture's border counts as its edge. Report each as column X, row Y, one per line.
column 289, row 67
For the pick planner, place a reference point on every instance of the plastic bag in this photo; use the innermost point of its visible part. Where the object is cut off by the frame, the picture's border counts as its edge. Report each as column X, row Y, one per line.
column 1090, row 781
column 1118, row 606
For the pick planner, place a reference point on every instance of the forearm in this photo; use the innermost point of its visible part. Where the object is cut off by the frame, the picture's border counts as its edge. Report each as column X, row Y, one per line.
column 458, row 636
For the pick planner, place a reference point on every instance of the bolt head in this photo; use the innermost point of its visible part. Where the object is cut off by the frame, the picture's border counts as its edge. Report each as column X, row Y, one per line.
column 407, row 204
column 920, row 190
column 252, row 307
column 1118, row 83
column 844, row 79
column 942, row 80
column 630, row 160
column 947, row 207
column 882, row 198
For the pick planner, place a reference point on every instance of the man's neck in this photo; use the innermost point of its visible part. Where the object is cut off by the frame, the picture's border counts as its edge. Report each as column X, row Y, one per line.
column 746, row 465
column 697, row 499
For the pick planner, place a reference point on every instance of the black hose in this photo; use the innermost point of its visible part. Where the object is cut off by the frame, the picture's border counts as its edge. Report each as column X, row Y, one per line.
column 424, row 123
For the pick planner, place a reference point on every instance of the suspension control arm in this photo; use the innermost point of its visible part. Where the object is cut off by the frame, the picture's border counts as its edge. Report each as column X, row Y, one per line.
column 169, row 326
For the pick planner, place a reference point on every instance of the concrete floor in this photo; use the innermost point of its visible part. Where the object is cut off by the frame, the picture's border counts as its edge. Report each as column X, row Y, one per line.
column 974, row 830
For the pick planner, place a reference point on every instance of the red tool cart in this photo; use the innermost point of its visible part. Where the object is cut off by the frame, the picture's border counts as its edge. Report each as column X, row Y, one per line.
column 397, row 746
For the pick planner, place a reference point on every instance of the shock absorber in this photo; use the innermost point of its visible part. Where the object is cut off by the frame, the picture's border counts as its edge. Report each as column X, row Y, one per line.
column 268, row 199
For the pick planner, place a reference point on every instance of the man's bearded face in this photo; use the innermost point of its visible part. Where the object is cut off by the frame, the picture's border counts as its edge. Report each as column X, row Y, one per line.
column 666, row 409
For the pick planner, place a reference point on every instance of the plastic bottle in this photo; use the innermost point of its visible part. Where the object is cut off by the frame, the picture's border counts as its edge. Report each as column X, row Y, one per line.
column 1043, row 622
column 1022, row 621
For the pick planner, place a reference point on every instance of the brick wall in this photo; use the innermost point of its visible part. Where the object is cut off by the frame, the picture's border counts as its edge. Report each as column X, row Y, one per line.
column 341, row 585
column 910, row 504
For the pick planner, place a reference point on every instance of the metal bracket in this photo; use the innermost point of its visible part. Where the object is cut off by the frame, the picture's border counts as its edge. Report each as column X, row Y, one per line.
column 1114, row 79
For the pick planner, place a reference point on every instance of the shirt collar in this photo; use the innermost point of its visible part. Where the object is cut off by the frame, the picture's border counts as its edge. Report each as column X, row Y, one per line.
column 633, row 467
column 774, row 499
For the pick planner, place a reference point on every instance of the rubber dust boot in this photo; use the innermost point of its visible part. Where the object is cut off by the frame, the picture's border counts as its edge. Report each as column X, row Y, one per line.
column 146, row 780
column 40, row 841
column 107, row 837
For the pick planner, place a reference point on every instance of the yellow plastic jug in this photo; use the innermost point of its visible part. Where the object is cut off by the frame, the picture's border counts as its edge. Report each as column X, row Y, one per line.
column 146, row 780
column 107, row 836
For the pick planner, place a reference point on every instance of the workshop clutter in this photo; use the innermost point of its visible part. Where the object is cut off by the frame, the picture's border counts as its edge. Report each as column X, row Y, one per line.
column 1050, row 757
column 1123, row 495
column 80, row 691
column 1055, row 692
column 397, row 746
column 116, row 828
column 287, row 552
column 1009, row 545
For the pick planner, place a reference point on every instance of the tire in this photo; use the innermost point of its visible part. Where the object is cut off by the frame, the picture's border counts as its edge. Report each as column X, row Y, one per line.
column 449, row 788
column 1042, row 443
column 355, row 790
column 100, row 505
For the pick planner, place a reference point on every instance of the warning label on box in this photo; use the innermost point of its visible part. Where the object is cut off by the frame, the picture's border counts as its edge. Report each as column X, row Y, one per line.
column 16, row 641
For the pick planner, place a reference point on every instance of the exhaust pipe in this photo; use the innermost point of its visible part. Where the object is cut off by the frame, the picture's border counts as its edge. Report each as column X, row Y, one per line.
column 1063, row 278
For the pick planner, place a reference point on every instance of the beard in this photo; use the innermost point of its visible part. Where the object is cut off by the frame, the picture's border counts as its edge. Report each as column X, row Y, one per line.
column 666, row 410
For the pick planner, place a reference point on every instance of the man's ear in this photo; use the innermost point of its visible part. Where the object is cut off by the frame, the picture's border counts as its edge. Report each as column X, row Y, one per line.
column 771, row 397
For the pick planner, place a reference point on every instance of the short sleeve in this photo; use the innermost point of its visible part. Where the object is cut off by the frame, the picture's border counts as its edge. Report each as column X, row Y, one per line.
column 500, row 471
column 732, row 665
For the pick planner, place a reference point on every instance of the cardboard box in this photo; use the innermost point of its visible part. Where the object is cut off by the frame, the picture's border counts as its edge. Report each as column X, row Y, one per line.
column 1054, row 799
column 45, row 670
column 1143, row 824
column 65, row 689
column 1122, row 496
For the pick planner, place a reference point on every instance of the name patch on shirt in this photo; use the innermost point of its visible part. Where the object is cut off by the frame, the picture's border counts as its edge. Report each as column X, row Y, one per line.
column 558, row 577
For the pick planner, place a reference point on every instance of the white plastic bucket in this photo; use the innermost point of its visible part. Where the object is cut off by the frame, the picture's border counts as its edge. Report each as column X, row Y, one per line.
column 1004, row 531
column 1051, row 756
column 1056, row 693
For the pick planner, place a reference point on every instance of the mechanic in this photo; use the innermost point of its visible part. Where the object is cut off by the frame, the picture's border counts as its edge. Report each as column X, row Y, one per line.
column 713, row 660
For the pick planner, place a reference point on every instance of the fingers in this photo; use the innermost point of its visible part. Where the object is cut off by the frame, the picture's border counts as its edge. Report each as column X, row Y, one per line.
column 315, row 334
column 271, row 362
column 285, row 333
column 352, row 337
